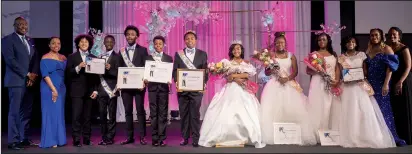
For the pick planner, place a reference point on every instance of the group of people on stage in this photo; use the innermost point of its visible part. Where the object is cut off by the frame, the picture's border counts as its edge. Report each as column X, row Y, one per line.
column 235, row 116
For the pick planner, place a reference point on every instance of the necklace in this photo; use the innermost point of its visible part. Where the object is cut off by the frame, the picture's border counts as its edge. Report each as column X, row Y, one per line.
column 354, row 53
column 283, row 54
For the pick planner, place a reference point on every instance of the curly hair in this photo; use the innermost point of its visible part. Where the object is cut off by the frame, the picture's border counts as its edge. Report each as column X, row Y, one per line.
column 84, row 36
column 381, row 34
column 131, row 27
column 242, row 53
column 346, row 40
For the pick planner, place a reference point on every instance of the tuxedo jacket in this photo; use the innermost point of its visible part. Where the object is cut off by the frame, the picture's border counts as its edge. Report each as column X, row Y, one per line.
column 162, row 87
column 199, row 61
column 82, row 84
column 18, row 60
column 110, row 76
column 139, row 57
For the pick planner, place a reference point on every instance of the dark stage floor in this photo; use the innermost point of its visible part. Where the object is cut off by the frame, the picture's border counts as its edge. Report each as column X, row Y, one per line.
column 174, row 147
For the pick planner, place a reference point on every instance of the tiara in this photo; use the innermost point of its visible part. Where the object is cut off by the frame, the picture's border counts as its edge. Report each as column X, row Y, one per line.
column 190, row 31
column 330, row 29
column 237, row 42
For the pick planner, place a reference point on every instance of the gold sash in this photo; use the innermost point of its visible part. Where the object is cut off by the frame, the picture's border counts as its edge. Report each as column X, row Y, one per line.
column 364, row 84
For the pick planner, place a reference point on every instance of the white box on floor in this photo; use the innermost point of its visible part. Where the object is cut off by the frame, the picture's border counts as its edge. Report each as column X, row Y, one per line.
column 287, row 133
column 329, row 137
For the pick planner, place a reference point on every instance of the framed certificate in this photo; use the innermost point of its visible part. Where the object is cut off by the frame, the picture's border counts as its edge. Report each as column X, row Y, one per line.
column 329, row 137
column 130, row 77
column 190, row 80
column 95, row 65
column 160, row 72
column 353, row 74
column 287, row 133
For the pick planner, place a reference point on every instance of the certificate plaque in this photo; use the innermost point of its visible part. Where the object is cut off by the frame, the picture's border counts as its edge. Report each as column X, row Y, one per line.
column 353, row 74
column 287, row 133
column 130, row 77
column 160, row 72
column 95, row 65
column 190, row 80
column 329, row 137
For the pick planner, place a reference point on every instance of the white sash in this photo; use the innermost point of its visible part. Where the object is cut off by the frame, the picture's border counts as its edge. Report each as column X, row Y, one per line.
column 106, row 87
column 126, row 59
column 186, row 60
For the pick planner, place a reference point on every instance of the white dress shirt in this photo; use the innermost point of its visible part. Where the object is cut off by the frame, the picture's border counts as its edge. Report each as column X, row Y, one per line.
column 131, row 52
column 83, row 54
column 190, row 55
column 107, row 55
column 157, row 56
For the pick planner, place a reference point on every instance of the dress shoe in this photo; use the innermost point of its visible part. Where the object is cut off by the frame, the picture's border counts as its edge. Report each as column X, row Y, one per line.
column 87, row 142
column 155, row 143
column 102, row 142
column 184, row 142
column 28, row 143
column 143, row 141
column 15, row 146
column 109, row 142
column 162, row 143
column 195, row 144
column 128, row 141
column 77, row 144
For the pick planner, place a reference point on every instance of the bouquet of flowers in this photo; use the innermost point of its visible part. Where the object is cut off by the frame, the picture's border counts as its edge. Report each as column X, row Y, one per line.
column 317, row 63
column 264, row 58
column 219, row 68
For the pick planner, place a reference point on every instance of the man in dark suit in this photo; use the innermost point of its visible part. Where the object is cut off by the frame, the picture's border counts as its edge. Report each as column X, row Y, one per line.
column 83, row 88
column 189, row 102
column 133, row 56
column 158, row 96
column 22, row 68
column 107, row 96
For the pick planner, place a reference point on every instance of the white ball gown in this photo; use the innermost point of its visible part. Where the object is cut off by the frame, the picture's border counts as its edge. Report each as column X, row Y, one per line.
column 232, row 117
column 323, row 107
column 362, row 123
column 285, row 104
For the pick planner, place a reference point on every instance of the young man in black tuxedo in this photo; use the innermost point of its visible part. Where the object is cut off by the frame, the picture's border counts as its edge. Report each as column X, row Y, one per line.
column 189, row 102
column 107, row 95
column 83, row 88
column 133, row 55
column 158, row 96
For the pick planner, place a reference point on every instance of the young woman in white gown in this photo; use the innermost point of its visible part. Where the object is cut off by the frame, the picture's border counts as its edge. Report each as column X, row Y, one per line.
column 362, row 123
column 232, row 118
column 282, row 99
column 323, row 106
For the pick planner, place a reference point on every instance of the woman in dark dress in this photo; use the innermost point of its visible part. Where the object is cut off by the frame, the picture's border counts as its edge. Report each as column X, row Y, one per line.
column 401, row 83
column 380, row 63
column 53, row 95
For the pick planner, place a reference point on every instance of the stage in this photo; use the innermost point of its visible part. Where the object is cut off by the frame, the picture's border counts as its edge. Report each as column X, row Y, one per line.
column 173, row 146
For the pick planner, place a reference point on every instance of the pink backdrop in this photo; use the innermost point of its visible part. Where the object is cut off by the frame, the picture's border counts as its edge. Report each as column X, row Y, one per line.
column 213, row 37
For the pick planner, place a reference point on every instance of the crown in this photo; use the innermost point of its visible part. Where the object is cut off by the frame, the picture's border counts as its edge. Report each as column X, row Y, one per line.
column 190, row 31
column 330, row 29
column 237, row 42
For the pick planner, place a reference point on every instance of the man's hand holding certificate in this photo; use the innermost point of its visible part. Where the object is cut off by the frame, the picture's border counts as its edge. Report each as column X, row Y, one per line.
column 95, row 65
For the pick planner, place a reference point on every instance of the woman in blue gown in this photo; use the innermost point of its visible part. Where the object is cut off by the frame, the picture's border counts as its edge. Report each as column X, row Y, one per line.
column 53, row 93
column 380, row 63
